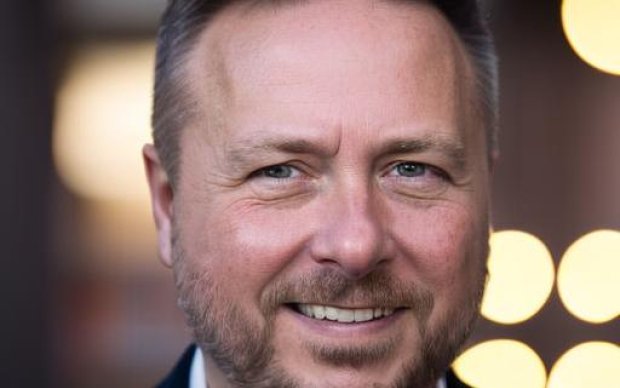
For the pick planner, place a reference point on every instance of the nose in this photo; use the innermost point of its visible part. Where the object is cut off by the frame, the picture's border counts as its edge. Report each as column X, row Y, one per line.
column 352, row 233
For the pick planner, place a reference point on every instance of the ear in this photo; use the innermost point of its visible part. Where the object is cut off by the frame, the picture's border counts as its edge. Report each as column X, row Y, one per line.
column 161, row 201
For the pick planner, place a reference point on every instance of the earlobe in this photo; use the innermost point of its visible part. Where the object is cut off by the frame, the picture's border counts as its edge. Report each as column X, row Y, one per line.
column 161, row 201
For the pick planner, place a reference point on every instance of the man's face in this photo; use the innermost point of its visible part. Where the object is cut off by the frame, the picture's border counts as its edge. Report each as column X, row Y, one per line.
column 329, row 226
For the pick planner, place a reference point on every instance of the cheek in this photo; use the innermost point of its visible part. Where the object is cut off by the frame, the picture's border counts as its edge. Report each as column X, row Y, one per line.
column 244, row 246
column 444, row 244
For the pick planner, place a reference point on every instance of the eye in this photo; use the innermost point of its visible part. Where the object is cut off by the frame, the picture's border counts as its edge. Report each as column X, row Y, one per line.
column 278, row 171
column 279, row 181
column 415, row 179
column 410, row 169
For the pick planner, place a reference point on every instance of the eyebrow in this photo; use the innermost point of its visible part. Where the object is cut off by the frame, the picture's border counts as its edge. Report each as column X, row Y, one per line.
column 454, row 150
column 245, row 151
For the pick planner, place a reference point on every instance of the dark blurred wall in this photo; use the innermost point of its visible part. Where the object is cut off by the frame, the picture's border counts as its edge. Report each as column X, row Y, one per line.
column 557, row 176
column 25, row 170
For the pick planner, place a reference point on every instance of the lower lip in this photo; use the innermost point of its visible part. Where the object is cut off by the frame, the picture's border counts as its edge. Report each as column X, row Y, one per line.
column 339, row 329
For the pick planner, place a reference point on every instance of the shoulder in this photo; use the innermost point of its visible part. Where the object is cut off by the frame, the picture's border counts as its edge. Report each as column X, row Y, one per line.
column 179, row 376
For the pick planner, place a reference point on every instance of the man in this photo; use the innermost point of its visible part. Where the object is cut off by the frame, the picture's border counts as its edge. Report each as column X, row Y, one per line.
column 320, row 186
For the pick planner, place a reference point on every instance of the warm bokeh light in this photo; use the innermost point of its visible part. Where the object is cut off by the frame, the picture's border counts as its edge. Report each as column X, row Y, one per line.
column 521, row 275
column 102, row 120
column 501, row 363
column 589, row 277
column 593, row 364
column 592, row 28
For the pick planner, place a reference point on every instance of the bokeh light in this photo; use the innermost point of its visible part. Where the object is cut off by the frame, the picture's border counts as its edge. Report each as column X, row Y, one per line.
column 589, row 277
column 589, row 365
column 592, row 28
column 521, row 275
column 102, row 121
column 501, row 363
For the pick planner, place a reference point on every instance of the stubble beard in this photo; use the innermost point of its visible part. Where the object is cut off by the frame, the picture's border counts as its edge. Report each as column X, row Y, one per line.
column 242, row 346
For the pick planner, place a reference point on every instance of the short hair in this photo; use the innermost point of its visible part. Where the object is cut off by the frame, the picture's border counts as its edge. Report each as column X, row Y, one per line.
column 184, row 20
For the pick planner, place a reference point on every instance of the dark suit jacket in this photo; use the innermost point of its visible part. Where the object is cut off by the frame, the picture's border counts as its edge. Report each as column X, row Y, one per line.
column 179, row 377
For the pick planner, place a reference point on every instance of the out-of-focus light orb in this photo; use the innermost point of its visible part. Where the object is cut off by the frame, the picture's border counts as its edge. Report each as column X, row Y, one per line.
column 589, row 277
column 592, row 28
column 521, row 276
column 501, row 363
column 102, row 121
column 589, row 365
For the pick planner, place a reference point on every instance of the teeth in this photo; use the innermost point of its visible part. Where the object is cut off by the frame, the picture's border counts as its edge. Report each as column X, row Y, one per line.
column 343, row 315
column 319, row 312
column 363, row 315
column 330, row 313
column 346, row 316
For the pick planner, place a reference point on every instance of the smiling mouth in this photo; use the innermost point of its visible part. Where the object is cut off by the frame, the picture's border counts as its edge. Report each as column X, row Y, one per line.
column 342, row 315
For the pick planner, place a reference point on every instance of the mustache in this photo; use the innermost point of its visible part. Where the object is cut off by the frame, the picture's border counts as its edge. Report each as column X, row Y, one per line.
column 330, row 286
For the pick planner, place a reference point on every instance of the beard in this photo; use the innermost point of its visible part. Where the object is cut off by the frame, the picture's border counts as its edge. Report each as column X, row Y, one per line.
column 241, row 343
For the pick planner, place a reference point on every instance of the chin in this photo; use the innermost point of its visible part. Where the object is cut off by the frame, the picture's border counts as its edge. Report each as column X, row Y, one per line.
column 393, row 363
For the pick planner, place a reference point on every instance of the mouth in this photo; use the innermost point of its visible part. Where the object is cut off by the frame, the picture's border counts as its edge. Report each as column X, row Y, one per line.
column 342, row 315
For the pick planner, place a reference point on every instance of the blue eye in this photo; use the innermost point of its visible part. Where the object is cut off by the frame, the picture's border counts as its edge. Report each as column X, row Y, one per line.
column 416, row 179
column 278, row 171
column 410, row 169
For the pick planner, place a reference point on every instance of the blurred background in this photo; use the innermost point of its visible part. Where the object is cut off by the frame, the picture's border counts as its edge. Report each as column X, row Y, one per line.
column 87, row 303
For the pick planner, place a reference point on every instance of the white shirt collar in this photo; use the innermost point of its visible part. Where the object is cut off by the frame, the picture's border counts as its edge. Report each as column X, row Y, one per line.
column 198, row 377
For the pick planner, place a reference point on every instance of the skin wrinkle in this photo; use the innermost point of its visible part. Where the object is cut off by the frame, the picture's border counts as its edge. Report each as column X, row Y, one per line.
column 246, row 150
column 479, row 51
column 244, row 156
column 252, row 153
column 324, row 287
column 240, row 259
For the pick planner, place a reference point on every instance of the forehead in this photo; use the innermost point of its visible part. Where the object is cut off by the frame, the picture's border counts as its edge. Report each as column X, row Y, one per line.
column 331, row 55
